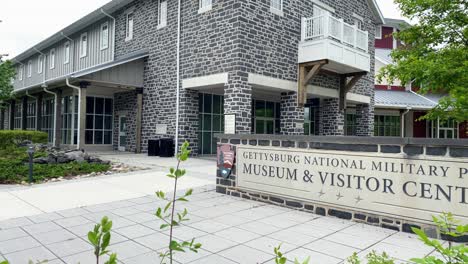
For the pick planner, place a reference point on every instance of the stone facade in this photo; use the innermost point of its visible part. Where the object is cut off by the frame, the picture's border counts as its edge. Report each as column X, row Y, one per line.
column 125, row 105
column 292, row 116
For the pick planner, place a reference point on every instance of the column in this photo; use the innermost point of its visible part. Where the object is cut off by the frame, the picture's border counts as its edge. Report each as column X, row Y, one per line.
column 24, row 113
column 292, row 116
column 82, row 114
column 364, row 120
column 12, row 114
column 39, row 112
column 238, row 101
column 331, row 118
column 139, row 113
column 58, row 119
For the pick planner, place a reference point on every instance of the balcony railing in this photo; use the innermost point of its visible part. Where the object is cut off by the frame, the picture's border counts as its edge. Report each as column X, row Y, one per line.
column 327, row 26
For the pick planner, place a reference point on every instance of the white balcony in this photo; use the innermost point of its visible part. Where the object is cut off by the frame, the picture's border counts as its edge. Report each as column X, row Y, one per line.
column 345, row 46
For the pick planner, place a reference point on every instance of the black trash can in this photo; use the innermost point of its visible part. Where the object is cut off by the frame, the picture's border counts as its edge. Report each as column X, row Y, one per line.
column 154, row 147
column 166, row 147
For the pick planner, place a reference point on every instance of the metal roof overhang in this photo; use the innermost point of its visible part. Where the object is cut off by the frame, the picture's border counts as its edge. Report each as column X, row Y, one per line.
column 87, row 20
column 402, row 100
column 121, row 60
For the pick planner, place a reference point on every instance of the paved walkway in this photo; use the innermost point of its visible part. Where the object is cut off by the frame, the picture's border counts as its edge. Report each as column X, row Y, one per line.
column 232, row 230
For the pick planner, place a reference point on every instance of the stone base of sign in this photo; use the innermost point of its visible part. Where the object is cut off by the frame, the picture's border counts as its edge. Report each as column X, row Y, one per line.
column 410, row 147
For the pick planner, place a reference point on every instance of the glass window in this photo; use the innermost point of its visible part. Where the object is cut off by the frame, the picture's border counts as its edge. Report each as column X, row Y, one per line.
column 277, row 4
column 378, row 32
column 18, row 116
column 211, row 121
column 205, row 4
column 387, row 126
column 20, row 72
column 52, row 59
column 29, row 69
column 445, row 129
column 266, row 117
column 350, row 124
column 162, row 13
column 31, row 116
column 84, row 45
column 47, row 120
column 40, row 64
column 69, row 119
column 311, row 112
column 67, row 53
column 99, row 120
column 104, row 36
column 129, row 26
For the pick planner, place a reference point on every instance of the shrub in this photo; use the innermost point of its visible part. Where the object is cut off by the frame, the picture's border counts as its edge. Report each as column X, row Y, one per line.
column 14, row 137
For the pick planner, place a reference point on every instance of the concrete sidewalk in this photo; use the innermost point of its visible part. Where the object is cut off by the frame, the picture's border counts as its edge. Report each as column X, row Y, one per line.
column 43, row 198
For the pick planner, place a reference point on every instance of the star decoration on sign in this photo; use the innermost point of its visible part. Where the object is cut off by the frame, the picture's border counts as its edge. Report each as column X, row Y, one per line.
column 339, row 196
column 358, row 199
column 321, row 193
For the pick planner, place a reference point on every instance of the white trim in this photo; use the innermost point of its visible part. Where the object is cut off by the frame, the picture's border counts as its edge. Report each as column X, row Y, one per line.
column 276, row 11
column 20, row 72
column 358, row 17
column 395, row 43
column 83, row 52
column 266, row 81
column 383, row 61
column 323, row 5
column 52, row 59
column 378, row 36
column 101, row 36
column 162, row 22
column 40, row 64
column 387, row 112
column 203, row 81
column 66, row 57
column 203, row 9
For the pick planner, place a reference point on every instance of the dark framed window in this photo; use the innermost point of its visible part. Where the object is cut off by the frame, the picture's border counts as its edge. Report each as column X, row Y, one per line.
column 311, row 116
column 47, row 120
column 99, row 120
column 387, row 126
column 18, row 114
column 70, row 120
column 31, row 116
column 350, row 124
column 210, row 121
column 266, row 117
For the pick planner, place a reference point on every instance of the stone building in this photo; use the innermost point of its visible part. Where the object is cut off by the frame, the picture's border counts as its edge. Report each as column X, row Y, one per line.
column 136, row 70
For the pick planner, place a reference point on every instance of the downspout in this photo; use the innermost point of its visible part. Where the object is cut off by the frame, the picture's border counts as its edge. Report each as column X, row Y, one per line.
column 113, row 32
column 178, row 80
column 79, row 110
column 55, row 107
column 403, row 121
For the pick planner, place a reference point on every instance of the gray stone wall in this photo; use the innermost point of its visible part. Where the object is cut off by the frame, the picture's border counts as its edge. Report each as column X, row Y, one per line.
column 236, row 36
column 292, row 116
column 125, row 104
column 332, row 119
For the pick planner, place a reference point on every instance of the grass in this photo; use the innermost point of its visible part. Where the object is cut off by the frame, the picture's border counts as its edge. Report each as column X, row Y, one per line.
column 14, row 167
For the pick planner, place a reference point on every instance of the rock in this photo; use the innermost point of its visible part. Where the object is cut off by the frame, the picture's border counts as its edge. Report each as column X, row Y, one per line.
column 41, row 160
column 75, row 155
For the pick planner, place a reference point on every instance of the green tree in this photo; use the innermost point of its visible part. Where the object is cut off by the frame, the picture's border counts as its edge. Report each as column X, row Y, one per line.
column 7, row 73
column 435, row 53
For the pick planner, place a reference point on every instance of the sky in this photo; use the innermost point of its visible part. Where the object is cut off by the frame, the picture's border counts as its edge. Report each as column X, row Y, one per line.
column 27, row 22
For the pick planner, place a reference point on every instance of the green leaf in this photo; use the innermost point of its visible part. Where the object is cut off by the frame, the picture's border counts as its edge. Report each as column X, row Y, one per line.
column 105, row 241
column 189, row 192
column 107, row 227
column 92, row 237
column 168, row 205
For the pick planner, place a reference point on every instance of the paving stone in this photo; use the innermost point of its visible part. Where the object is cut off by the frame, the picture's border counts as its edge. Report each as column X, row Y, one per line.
column 54, row 236
column 259, row 227
column 268, row 244
column 41, row 228
column 129, row 249
column 154, row 241
column 141, row 217
column 290, row 237
column 73, row 212
column 209, row 226
column 44, row 217
column 81, row 230
column 214, row 243
column 125, row 211
column 134, row 231
column 72, row 221
column 143, row 200
column 213, row 259
column 302, row 254
column 84, row 258
column 332, row 249
column 360, row 242
column 37, row 253
column 97, row 217
column 15, row 222
column 69, row 247
column 231, row 220
column 150, row 257
column 396, row 251
column 190, row 256
column 237, row 235
column 12, row 233
column 186, row 233
column 18, row 244
column 245, row 254
column 279, row 221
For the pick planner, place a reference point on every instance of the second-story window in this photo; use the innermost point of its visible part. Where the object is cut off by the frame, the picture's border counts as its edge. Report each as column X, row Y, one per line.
column 40, row 64
column 205, row 5
column 104, row 36
column 277, row 4
column 378, row 32
column 84, row 45
column 29, row 69
column 162, row 13
column 20, row 72
column 67, row 53
column 52, row 59
column 129, row 30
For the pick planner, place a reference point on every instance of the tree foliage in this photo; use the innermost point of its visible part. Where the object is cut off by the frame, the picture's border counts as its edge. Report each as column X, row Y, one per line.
column 435, row 53
column 7, row 73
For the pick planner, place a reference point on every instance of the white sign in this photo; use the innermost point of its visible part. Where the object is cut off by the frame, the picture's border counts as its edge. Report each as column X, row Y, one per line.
column 161, row 129
column 229, row 124
column 384, row 184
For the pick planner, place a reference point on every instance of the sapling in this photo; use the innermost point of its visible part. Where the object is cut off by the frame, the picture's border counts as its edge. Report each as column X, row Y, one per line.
column 168, row 213
column 100, row 238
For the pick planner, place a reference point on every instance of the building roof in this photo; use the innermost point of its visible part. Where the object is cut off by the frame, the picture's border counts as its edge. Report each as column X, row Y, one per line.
column 402, row 100
column 396, row 23
column 378, row 13
column 82, row 23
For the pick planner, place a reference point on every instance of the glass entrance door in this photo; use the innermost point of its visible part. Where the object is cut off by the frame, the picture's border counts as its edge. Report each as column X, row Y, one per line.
column 122, row 133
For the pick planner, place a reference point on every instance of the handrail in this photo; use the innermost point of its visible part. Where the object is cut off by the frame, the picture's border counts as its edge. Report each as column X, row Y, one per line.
column 326, row 26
